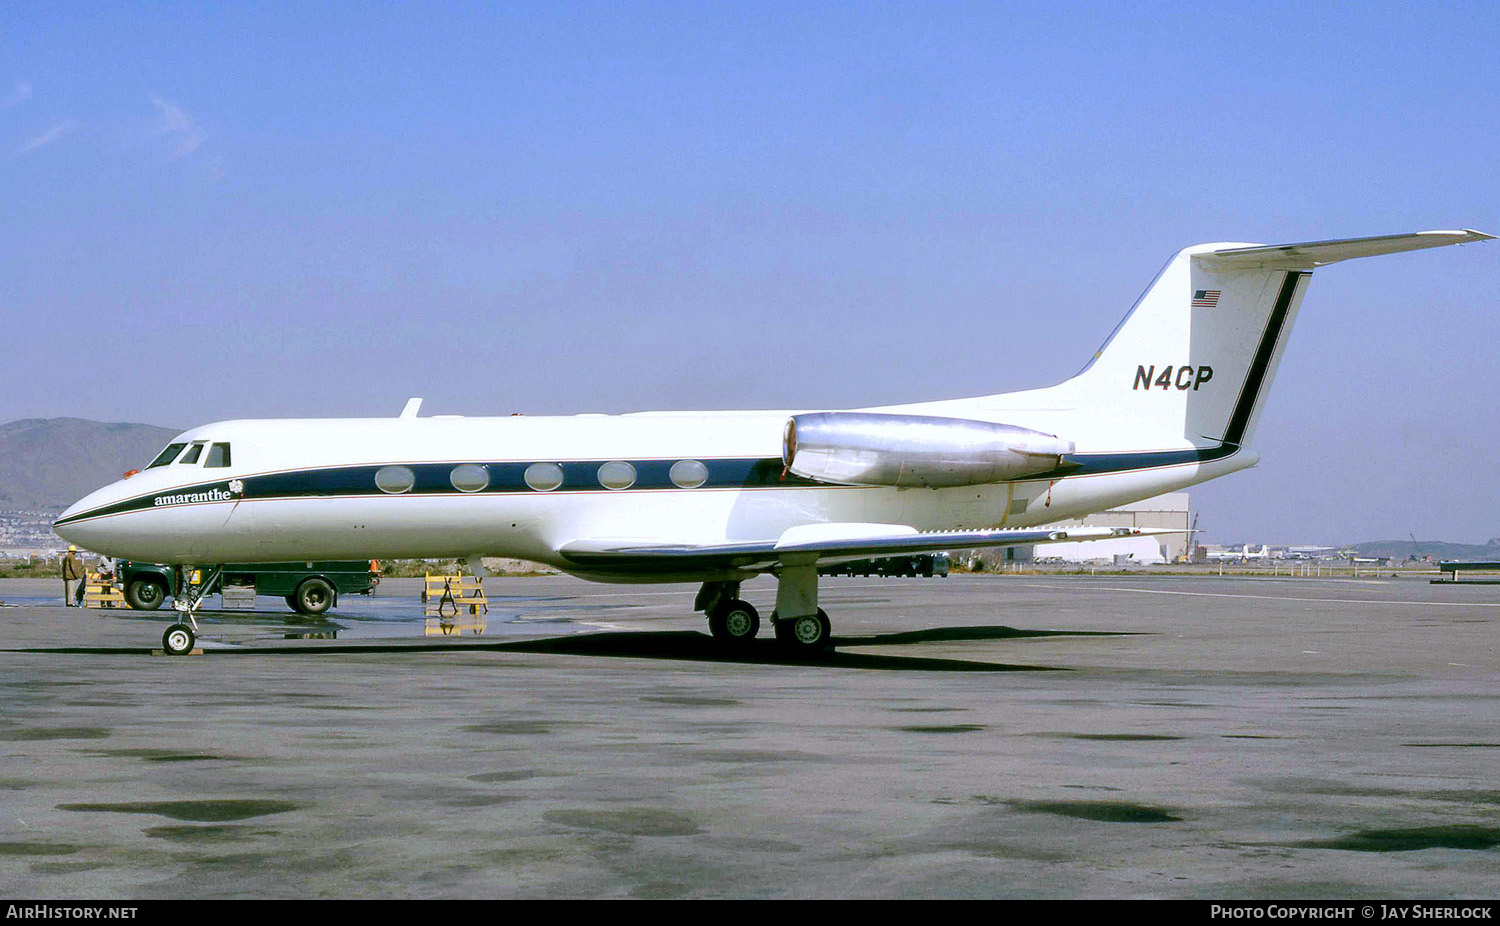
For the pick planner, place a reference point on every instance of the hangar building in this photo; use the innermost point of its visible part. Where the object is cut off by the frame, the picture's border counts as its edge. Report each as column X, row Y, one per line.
column 1164, row 511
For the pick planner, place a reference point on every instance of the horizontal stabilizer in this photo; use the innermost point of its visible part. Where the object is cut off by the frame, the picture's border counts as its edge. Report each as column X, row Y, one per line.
column 1311, row 254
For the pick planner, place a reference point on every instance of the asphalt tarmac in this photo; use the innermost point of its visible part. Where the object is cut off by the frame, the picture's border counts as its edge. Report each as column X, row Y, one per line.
column 975, row 736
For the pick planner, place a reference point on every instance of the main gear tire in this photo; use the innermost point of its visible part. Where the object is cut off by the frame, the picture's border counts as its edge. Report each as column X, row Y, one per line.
column 734, row 623
column 806, row 636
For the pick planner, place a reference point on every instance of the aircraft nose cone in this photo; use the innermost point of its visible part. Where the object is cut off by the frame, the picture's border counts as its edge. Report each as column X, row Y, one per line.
column 69, row 512
column 83, row 533
column 72, row 533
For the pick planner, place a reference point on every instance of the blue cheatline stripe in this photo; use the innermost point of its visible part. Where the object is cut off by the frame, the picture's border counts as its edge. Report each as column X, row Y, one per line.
column 507, row 478
column 432, row 479
column 1098, row 464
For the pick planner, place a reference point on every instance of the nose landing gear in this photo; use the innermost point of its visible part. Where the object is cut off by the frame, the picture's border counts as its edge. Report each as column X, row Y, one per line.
column 180, row 637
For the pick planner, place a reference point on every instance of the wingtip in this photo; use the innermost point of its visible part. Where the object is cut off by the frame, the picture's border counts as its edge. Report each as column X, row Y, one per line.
column 1455, row 235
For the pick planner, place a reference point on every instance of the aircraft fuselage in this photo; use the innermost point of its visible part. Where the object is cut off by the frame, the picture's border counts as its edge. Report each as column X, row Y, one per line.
column 337, row 489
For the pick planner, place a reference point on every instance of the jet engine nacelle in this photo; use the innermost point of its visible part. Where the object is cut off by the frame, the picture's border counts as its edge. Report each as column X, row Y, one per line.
column 868, row 449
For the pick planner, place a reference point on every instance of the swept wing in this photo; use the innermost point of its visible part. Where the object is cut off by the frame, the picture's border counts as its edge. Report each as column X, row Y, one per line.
column 814, row 543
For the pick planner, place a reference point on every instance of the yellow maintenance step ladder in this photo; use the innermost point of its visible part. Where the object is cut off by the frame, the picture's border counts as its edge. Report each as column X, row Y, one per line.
column 101, row 592
column 452, row 605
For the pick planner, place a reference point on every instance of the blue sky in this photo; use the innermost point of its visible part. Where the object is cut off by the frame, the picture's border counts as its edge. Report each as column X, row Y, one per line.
column 212, row 211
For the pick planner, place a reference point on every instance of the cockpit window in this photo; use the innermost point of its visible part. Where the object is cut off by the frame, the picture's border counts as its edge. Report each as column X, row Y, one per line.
column 168, row 455
column 218, row 455
column 192, row 455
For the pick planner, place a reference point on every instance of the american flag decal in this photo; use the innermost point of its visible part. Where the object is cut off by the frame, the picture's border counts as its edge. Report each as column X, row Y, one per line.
column 1206, row 298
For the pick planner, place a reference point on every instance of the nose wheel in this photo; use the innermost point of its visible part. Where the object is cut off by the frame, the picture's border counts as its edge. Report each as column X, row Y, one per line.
column 178, row 640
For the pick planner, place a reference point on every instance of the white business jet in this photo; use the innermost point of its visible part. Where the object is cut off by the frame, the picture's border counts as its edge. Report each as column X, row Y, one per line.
column 1170, row 400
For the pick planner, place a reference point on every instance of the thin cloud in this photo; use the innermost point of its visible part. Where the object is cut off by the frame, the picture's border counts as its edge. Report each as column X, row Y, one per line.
column 20, row 93
column 178, row 124
column 47, row 137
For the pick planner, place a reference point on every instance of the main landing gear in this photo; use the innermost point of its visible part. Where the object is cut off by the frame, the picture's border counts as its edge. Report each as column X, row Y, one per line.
column 180, row 637
column 802, row 628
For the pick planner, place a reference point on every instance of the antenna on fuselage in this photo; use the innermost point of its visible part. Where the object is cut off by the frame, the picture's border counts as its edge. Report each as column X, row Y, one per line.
column 410, row 411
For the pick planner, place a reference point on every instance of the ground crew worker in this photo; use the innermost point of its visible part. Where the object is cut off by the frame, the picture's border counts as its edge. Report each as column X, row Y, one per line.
column 73, row 577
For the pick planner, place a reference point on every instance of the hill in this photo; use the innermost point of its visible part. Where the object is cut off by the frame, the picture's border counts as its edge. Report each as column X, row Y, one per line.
column 53, row 462
column 1400, row 549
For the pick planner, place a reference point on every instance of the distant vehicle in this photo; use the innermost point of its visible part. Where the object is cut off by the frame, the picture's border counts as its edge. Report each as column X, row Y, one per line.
column 308, row 587
column 928, row 565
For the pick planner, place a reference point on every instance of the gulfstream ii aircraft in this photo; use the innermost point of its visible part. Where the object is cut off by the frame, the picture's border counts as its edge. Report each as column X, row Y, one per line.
column 1170, row 400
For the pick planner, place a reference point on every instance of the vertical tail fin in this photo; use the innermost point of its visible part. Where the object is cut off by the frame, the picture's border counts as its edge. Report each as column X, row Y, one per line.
column 1195, row 357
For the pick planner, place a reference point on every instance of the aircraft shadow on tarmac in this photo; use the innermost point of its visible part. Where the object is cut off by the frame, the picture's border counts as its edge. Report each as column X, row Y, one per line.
column 692, row 646
column 700, row 647
column 689, row 645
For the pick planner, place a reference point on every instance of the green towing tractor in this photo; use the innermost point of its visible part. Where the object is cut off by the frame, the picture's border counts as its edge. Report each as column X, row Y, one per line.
column 309, row 588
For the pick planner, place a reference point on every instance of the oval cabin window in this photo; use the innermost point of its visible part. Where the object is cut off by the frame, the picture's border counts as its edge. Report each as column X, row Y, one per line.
column 544, row 477
column 688, row 474
column 394, row 480
column 617, row 475
column 470, row 477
